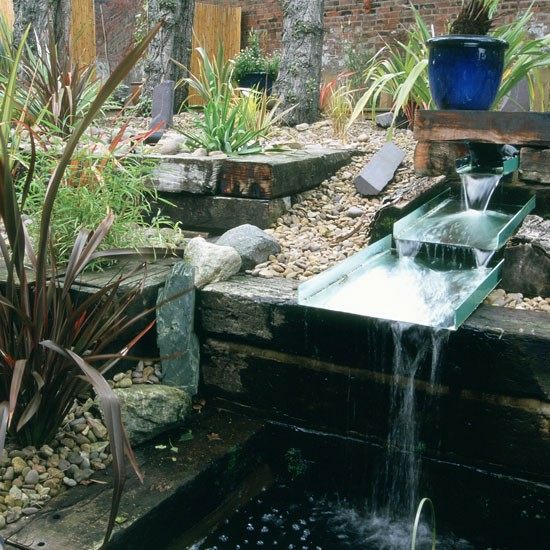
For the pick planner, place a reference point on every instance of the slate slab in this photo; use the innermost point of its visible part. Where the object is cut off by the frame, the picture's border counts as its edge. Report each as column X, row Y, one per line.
column 380, row 170
column 162, row 110
column 176, row 339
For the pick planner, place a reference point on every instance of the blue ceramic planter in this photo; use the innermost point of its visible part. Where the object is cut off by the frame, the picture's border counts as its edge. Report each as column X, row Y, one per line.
column 465, row 71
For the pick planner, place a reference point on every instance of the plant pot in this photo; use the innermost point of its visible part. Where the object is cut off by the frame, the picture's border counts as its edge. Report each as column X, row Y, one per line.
column 260, row 81
column 465, row 71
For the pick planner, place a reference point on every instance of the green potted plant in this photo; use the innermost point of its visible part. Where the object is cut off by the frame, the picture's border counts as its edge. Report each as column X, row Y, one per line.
column 253, row 68
column 465, row 67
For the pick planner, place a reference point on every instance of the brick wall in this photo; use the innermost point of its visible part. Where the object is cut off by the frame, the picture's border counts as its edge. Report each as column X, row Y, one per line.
column 356, row 23
column 367, row 23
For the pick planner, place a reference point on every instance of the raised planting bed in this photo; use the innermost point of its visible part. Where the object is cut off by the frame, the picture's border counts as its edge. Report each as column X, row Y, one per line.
column 216, row 193
column 331, row 370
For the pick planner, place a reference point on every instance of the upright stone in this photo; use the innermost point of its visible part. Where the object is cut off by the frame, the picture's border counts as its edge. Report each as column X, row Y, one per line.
column 162, row 107
column 380, row 170
column 178, row 344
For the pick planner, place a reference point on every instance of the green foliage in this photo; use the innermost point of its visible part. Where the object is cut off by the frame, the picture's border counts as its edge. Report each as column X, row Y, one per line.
column 253, row 60
column 339, row 108
column 232, row 120
column 295, row 463
column 90, row 188
column 475, row 17
column 357, row 59
column 51, row 347
column 60, row 92
column 401, row 69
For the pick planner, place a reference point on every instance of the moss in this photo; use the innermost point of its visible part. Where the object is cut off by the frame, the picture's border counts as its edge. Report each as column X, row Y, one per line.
column 304, row 29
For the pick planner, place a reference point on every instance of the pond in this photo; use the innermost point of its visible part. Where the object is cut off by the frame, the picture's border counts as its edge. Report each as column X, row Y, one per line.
column 314, row 491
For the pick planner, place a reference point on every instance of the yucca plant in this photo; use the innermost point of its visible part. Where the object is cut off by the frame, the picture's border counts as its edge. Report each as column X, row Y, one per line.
column 51, row 346
column 475, row 17
column 399, row 70
column 233, row 119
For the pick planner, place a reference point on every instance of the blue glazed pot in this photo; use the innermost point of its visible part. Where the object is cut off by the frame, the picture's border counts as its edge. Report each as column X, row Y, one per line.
column 465, row 71
column 259, row 81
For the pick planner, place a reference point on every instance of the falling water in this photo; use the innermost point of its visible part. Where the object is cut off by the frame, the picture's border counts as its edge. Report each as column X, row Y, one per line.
column 396, row 492
column 483, row 257
column 478, row 189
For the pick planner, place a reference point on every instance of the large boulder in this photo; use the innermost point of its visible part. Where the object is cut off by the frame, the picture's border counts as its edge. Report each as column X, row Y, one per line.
column 212, row 263
column 151, row 409
column 527, row 259
column 254, row 245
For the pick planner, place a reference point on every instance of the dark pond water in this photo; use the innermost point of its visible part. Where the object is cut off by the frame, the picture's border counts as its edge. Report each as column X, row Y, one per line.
column 318, row 492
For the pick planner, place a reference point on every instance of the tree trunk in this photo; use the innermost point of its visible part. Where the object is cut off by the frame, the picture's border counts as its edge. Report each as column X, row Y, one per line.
column 173, row 41
column 36, row 13
column 299, row 78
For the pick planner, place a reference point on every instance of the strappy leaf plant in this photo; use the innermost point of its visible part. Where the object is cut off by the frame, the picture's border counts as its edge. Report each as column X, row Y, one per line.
column 233, row 120
column 52, row 346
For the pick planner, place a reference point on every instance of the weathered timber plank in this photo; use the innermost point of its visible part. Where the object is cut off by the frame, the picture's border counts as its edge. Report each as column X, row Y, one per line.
column 217, row 214
column 483, row 126
column 305, row 391
column 187, row 174
column 534, row 165
column 178, row 490
column 280, row 174
column 436, row 158
column 497, row 350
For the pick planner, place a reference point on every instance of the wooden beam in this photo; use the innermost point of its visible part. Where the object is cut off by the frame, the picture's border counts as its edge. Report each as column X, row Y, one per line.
column 483, row 126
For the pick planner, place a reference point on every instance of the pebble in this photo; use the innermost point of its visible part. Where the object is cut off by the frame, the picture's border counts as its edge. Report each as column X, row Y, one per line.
column 32, row 477
column 302, row 127
column 69, row 482
column 18, row 464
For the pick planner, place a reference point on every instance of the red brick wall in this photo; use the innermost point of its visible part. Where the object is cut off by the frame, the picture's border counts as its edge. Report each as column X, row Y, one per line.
column 362, row 23
column 369, row 22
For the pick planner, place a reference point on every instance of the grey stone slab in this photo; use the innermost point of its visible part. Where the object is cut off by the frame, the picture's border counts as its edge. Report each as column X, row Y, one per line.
column 175, row 330
column 187, row 174
column 518, row 100
column 149, row 410
column 162, row 107
column 380, row 170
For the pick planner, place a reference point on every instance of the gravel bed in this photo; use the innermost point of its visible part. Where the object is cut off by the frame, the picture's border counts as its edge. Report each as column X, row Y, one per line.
column 516, row 300
column 30, row 476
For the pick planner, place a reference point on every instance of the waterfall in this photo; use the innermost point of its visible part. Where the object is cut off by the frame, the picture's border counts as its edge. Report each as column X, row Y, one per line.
column 478, row 189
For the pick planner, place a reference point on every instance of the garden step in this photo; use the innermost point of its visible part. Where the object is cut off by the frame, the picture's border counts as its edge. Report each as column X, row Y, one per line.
column 281, row 174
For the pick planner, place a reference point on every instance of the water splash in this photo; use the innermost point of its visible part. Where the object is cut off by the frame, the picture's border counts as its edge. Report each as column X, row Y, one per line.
column 478, row 189
column 483, row 257
column 407, row 249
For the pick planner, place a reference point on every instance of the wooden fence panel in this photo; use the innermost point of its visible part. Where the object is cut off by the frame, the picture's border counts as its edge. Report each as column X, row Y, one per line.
column 213, row 25
column 83, row 39
column 6, row 8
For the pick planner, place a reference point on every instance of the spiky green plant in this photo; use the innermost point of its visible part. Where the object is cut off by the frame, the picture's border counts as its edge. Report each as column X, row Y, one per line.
column 475, row 17
column 51, row 347
column 233, row 120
